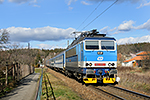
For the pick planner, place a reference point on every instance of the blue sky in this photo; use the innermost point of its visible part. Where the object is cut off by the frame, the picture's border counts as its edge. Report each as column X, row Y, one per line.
column 48, row 24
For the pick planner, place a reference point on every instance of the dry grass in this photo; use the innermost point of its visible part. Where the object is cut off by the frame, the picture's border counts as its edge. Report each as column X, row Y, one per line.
column 135, row 78
column 60, row 89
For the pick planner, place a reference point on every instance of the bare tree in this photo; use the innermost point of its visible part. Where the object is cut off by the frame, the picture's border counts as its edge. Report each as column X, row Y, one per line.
column 4, row 38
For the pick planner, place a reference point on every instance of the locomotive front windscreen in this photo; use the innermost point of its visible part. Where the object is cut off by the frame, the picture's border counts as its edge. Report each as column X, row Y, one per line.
column 92, row 44
column 108, row 45
column 99, row 45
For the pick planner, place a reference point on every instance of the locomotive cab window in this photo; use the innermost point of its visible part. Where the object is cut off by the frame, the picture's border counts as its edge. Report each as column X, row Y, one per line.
column 92, row 44
column 107, row 45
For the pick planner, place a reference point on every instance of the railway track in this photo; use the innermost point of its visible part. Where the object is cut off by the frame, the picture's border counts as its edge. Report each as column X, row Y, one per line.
column 106, row 94
column 117, row 93
column 110, row 92
column 131, row 93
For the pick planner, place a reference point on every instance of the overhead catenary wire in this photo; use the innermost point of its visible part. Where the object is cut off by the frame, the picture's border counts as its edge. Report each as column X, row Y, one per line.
column 90, row 14
column 99, row 14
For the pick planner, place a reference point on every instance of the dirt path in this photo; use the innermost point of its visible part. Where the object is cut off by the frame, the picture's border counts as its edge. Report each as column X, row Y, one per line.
column 26, row 90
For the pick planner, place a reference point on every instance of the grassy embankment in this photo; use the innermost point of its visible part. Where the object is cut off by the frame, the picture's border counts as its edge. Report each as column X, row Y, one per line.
column 135, row 78
column 55, row 88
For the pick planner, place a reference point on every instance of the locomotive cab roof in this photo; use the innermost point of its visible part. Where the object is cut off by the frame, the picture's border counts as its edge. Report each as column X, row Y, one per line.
column 88, row 35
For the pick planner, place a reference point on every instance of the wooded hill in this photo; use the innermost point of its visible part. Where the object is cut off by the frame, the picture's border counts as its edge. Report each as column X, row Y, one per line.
column 133, row 48
column 26, row 56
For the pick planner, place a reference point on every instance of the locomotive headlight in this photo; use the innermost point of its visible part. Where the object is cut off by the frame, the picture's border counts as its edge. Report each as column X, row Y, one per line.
column 109, row 64
column 90, row 64
column 100, row 53
column 86, row 64
column 113, row 64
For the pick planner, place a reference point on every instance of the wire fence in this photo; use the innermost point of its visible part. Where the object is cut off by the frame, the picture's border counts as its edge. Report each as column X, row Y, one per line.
column 39, row 90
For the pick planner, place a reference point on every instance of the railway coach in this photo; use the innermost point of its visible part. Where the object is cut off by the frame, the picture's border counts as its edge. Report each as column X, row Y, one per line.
column 92, row 58
column 57, row 62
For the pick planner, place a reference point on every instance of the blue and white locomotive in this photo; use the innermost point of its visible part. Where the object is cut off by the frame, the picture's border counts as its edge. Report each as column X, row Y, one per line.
column 91, row 58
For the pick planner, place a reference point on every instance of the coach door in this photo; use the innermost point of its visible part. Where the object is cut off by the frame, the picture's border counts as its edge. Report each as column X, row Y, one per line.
column 81, row 54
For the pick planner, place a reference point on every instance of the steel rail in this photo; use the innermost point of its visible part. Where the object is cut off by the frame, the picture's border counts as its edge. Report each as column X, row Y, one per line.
column 107, row 94
column 110, row 94
column 133, row 92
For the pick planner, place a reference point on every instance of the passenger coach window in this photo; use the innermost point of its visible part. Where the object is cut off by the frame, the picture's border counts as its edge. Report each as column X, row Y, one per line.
column 108, row 45
column 92, row 44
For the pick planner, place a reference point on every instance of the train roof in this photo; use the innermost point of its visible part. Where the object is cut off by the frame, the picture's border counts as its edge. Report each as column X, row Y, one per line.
column 100, row 38
column 88, row 35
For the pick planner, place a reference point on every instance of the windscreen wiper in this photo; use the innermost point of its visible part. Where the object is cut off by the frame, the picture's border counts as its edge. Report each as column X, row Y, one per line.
column 105, row 47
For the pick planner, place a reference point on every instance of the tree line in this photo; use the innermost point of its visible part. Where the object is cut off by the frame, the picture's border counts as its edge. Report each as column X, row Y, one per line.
column 133, row 48
column 16, row 53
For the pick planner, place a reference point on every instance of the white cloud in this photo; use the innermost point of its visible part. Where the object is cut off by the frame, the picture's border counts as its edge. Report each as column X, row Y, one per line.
column 70, row 8
column 126, row 26
column 23, row 1
column 47, row 46
column 70, row 1
column 111, row 30
column 1, row 1
column 48, row 33
column 134, row 40
column 117, row 32
column 85, row 3
column 36, row 6
column 145, row 4
column 146, row 25
column 104, row 30
column 18, row 1
column 34, row 1
column 44, row 46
